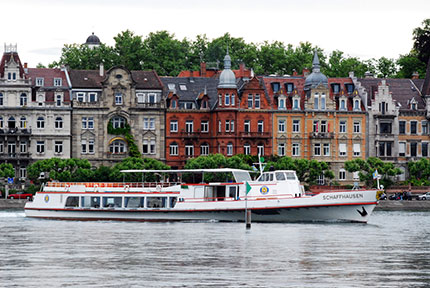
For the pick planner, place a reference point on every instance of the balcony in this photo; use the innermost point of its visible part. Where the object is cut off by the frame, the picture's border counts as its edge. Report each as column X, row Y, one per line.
column 15, row 131
column 14, row 156
column 190, row 135
column 255, row 134
column 321, row 135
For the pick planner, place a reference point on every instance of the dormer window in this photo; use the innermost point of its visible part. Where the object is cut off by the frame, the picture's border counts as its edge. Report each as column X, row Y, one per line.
column 296, row 103
column 182, row 87
column 275, row 86
column 323, row 101
column 414, row 106
column 227, row 100
column 39, row 82
column 290, row 87
column 349, row 88
column 173, row 104
column 336, row 88
column 57, row 81
column 357, row 105
column 171, row 86
column 316, row 101
column 282, row 105
column 204, row 104
column 342, row 104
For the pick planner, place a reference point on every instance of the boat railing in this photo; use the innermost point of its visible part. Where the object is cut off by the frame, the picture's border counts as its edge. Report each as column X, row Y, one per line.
column 111, row 185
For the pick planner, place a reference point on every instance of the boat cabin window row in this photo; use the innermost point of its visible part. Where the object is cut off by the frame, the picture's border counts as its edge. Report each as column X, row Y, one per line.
column 278, row 176
column 120, row 202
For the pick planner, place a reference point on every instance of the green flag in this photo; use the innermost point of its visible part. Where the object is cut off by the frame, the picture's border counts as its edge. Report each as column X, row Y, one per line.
column 262, row 159
column 248, row 188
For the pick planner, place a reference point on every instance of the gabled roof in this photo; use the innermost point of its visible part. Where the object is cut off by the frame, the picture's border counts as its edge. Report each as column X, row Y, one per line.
column 402, row 90
column 194, row 88
column 48, row 74
column 147, row 80
column 7, row 56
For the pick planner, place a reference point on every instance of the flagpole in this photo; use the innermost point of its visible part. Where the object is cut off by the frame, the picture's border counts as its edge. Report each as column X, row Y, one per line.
column 247, row 213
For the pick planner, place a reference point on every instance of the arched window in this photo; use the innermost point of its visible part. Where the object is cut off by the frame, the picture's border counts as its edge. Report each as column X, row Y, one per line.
column 117, row 147
column 58, row 123
column 11, row 122
column 118, row 122
column 40, row 123
column 23, row 122
column 357, row 105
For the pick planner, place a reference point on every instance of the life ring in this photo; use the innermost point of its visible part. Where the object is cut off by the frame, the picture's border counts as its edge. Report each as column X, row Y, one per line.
column 67, row 187
column 127, row 188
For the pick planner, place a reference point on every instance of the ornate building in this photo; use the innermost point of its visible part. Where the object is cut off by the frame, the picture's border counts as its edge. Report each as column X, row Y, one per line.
column 116, row 112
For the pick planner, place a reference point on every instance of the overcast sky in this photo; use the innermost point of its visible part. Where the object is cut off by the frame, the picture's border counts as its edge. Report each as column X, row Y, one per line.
column 364, row 29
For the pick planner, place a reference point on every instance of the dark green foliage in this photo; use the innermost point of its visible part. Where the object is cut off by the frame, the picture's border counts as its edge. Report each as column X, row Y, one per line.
column 6, row 170
column 133, row 163
column 133, row 151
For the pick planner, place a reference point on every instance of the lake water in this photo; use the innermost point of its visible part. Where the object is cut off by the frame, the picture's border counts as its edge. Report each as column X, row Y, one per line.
column 392, row 250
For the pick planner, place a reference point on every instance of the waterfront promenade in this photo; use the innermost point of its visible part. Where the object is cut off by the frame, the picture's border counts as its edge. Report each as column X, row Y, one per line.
column 385, row 205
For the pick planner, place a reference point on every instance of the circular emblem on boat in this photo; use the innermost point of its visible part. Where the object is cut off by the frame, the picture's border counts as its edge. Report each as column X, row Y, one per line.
column 46, row 198
column 264, row 190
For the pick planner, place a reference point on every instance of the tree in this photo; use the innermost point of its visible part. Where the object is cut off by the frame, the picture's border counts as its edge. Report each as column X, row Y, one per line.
column 419, row 172
column 339, row 66
column 421, row 37
column 408, row 64
column 129, row 50
column 134, row 163
column 366, row 168
column 60, row 169
column 6, row 170
column 386, row 68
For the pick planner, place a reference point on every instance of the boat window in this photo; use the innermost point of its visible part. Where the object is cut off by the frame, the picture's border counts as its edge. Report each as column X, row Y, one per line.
column 241, row 176
column 95, row 202
column 172, row 201
column 112, row 201
column 280, row 176
column 156, row 202
column 291, row 176
column 72, row 201
column 233, row 192
column 134, row 202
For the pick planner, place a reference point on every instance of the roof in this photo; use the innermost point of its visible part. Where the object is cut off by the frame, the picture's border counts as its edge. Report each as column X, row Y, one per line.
column 402, row 90
column 48, row 74
column 93, row 40
column 194, row 88
column 7, row 56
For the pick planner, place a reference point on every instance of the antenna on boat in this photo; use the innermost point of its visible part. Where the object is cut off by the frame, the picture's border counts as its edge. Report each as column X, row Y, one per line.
column 260, row 163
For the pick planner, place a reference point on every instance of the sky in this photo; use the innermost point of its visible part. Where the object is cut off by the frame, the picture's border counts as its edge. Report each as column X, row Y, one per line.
column 364, row 29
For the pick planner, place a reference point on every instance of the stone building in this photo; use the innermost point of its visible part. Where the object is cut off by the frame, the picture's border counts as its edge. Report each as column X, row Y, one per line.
column 114, row 109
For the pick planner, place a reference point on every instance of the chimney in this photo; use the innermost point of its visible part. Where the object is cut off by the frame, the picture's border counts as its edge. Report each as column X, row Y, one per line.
column 415, row 75
column 203, row 69
column 25, row 68
column 305, row 72
column 426, row 86
column 242, row 69
column 294, row 72
column 102, row 70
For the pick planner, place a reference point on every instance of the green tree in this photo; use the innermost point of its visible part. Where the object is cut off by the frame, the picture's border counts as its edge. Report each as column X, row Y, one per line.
column 421, row 37
column 61, row 169
column 408, row 64
column 6, row 170
column 340, row 66
column 129, row 50
column 419, row 172
column 386, row 68
column 134, row 163
column 366, row 168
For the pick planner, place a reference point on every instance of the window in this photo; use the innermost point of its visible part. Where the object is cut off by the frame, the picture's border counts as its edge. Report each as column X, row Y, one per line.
column 227, row 125
column 23, row 122
column 260, row 126
column 57, row 81
column 357, row 105
column 1, row 122
column 290, row 87
column 315, row 126
column 11, row 149
column 149, row 123
column 356, row 127
column 40, row 147
column 174, row 126
column 230, row 149
column 323, row 101
column 204, row 126
column 356, row 149
column 342, row 174
column 23, row 147
column 22, row 172
column 189, row 126
column 23, row 99
column 281, row 105
column 140, row 97
column 317, row 149
column 424, row 149
column 326, row 149
column 117, row 147
column 260, row 149
column 296, row 126
column 384, row 148
column 118, row 122
column 336, row 88
column 342, row 104
column 281, row 126
column 58, row 123
column 275, row 86
column 91, row 146
column 342, row 126
column 173, row 149
column 233, row 100
column 257, row 101
column 349, row 88
column 1, row 99
column 204, row 149
column 11, row 122
column 402, row 127
column 231, row 125
column 402, row 149
column 39, row 81
column 342, row 149
column 316, row 101
column 219, row 126
column 148, row 147
column 182, row 87
column 385, row 128
column 414, row 149
column 247, row 149
column 92, row 97
column 424, row 128
column 413, row 127
column 250, row 101
column 227, row 100
column 173, row 106
column 189, row 150
column 296, row 149
column 80, row 96
column 83, row 146
column 296, row 104
column 118, row 98
column 58, row 147
column 281, row 149
column 40, row 123
column 323, row 126
column 219, row 99
column 247, row 126
column 383, row 107
column 152, row 98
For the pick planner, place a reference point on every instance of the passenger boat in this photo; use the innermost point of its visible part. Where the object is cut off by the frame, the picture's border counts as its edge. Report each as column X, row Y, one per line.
column 276, row 196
